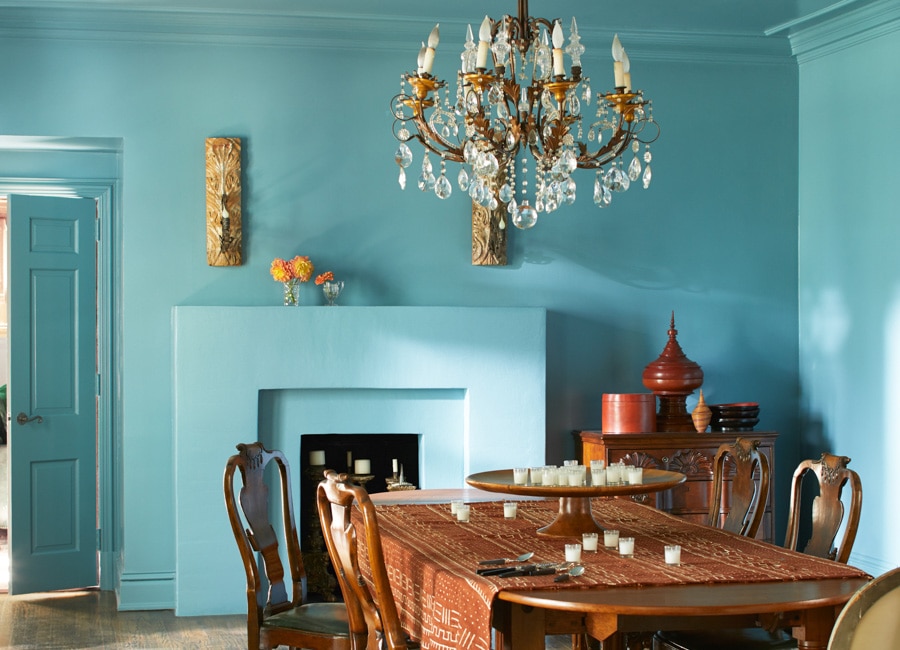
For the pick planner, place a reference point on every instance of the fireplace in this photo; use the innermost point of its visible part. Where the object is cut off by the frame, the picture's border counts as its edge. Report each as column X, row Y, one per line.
column 470, row 383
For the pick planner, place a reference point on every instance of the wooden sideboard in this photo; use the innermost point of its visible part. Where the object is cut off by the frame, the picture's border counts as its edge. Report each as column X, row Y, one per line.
column 692, row 454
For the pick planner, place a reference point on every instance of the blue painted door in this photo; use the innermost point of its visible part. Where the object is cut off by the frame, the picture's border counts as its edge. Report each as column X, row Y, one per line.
column 52, row 394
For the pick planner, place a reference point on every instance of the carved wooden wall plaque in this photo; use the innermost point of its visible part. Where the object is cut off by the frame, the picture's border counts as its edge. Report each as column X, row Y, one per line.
column 488, row 238
column 223, row 201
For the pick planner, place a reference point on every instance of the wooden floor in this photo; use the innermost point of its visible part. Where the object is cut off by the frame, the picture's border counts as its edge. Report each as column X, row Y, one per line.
column 89, row 619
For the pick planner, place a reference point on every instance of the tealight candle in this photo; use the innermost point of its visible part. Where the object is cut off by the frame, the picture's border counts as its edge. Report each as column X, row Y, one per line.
column 537, row 473
column 626, row 546
column 636, row 475
column 463, row 511
column 673, row 554
column 589, row 541
column 454, row 506
column 610, row 538
column 317, row 458
column 598, row 476
column 509, row 509
column 362, row 466
column 520, row 475
column 573, row 552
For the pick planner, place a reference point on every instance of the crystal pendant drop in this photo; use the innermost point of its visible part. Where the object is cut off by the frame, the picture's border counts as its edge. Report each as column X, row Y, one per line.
column 602, row 196
column 648, row 176
column 402, row 179
column 426, row 182
column 569, row 188
column 506, row 193
column 574, row 106
column 463, row 179
column 586, row 95
column 426, row 165
column 470, row 151
column 403, row 156
column 634, row 169
column 442, row 187
column 403, row 133
column 567, row 161
column 502, row 112
column 525, row 216
column 495, row 94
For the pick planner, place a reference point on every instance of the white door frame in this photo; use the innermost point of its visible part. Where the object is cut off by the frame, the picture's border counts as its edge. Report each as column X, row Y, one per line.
column 109, row 446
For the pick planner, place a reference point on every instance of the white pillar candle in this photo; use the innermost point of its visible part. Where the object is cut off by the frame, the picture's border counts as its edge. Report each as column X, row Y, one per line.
column 509, row 510
column 598, row 476
column 589, row 541
column 520, row 475
column 610, row 538
column 626, row 546
column 573, row 552
column 394, row 465
column 317, row 458
column 362, row 466
column 463, row 511
column 673, row 554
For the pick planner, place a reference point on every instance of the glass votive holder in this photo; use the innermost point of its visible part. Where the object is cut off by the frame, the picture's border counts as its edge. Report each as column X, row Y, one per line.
column 574, row 476
column 598, row 464
column 550, row 476
column 463, row 511
column 598, row 476
column 537, row 473
column 610, row 538
column 589, row 541
column 673, row 554
column 520, row 475
column 570, row 463
column 636, row 475
column 509, row 510
column 614, row 474
column 626, row 546
column 573, row 552
column 454, row 506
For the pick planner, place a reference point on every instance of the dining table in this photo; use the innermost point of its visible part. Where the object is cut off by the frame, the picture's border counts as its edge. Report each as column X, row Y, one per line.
column 722, row 580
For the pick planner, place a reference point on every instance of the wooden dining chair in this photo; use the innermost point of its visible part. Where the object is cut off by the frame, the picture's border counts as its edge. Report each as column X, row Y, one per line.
column 746, row 502
column 825, row 518
column 374, row 622
column 869, row 619
column 276, row 618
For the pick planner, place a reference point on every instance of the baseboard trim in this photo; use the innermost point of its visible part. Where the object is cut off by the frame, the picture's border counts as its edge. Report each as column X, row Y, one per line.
column 139, row 591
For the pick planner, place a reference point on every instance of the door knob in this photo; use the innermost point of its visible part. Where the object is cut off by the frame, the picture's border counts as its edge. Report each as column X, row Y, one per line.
column 21, row 418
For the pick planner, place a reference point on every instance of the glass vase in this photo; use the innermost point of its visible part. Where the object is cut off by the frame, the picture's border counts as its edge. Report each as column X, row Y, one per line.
column 291, row 294
column 332, row 289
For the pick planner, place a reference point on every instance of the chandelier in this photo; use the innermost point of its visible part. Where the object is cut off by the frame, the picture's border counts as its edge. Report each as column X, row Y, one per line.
column 513, row 97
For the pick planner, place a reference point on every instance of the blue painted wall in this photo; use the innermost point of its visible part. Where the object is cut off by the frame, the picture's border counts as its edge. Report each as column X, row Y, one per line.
column 849, row 274
column 714, row 239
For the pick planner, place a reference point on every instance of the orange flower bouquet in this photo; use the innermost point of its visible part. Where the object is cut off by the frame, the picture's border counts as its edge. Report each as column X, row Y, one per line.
column 291, row 273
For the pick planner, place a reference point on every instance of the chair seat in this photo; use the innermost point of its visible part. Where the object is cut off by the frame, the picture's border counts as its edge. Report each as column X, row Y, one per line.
column 734, row 639
column 328, row 619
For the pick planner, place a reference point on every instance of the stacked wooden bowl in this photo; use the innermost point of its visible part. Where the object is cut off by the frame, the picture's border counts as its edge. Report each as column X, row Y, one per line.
column 738, row 416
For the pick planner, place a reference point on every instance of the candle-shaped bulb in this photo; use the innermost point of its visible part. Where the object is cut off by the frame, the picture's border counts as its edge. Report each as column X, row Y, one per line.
column 559, row 69
column 433, row 39
column 618, row 53
column 626, row 71
column 484, row 43
column 420, row 60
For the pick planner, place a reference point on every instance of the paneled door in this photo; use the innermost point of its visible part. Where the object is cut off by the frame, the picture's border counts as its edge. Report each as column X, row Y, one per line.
column 52, row 394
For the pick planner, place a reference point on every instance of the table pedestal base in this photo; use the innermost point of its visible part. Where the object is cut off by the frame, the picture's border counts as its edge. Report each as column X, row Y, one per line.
column 573, row 520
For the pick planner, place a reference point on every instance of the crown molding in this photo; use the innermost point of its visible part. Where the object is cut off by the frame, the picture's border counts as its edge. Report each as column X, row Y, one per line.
column 356, row 32
column 824, row 34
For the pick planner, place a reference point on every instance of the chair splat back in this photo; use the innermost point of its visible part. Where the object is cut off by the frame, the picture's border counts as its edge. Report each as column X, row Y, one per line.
column 277, row 617
column 372, row 615
column 747, row 499
column 827, row 508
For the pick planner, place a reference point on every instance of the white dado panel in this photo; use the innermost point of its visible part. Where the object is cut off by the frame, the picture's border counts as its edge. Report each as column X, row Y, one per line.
column 483, row 366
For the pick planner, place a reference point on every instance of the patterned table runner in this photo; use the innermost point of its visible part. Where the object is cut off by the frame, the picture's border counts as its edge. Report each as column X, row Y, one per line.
column 431, row 560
